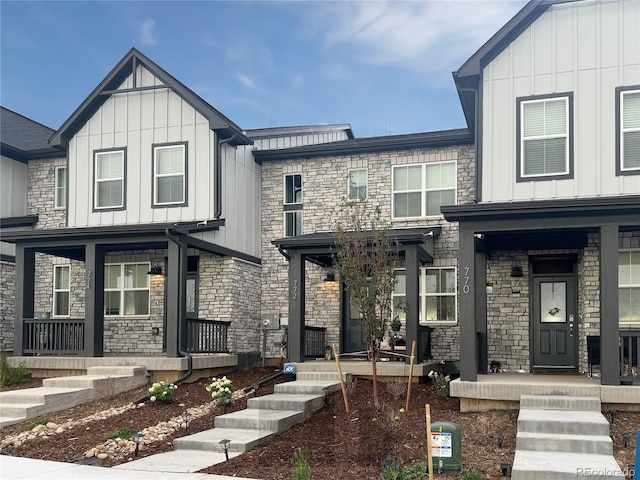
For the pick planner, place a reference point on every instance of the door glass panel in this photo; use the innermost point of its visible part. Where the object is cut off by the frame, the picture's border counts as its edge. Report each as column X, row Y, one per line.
column 191, row 295
column 553, row 302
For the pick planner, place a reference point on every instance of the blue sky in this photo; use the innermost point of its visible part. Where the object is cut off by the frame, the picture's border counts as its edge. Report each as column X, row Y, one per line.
column 382, row 66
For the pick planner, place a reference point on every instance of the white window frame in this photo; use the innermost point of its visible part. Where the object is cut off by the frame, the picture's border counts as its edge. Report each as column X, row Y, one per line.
column 566, row 135
column 423, row 190
column 123, row 289
column 57, row 290
column 60, row 201
column 624, row 130
column 423, row 295
column 157, row 176
column 356, row 187
column 624, row 284
column 97, row 180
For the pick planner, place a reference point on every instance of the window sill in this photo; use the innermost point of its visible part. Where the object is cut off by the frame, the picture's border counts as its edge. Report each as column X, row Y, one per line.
column 430, row 217
column 442, row 323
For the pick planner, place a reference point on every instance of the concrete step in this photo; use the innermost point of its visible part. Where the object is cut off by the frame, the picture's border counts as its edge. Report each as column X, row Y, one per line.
column 242, row 440
column 115, row 370
column 562, row 422
column 316, row 387
column 176, row 461
column 306, row 403
column 319, row 376
column 253, row 419
column 560, row 402
column 554, row 442
column 529, row 465
column 113, row 380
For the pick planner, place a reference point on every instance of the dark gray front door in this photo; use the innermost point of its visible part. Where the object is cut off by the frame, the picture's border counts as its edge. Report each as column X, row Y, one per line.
column 554, row 324
column 353, row 334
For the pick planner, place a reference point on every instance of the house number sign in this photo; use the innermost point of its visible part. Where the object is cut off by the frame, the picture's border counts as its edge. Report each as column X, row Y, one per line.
column 295, row 290
column 465, row 287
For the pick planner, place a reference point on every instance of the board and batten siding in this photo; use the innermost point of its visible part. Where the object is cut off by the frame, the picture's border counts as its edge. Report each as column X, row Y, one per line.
column 588, row 48
column 136, row 121
column 279, row 142
column 13, row 185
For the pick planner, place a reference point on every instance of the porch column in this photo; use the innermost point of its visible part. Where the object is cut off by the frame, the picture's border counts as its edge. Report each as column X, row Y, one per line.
column 295, row 341
column 25, row 271
column 609, row 309
column 412, row 272
column 467, row 293
column 94, row 301
column 175, row 301
column 481, row 311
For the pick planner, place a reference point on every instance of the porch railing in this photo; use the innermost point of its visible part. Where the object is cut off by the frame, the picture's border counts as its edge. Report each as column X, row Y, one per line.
column 53, row 336
column 629, row 351
column 207, row 336
column 314, row 342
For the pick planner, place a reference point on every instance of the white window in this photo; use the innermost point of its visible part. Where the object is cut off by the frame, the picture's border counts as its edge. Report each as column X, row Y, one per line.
column 420, row 190
column 109, row 179
column 630, row 130
column 126, row 289
column 438, row 299
column 629, row 285
column 357, row 184
column 61, row 290
column 292, row 205
column 61, row 187
column 545, row 139
column 169, row 167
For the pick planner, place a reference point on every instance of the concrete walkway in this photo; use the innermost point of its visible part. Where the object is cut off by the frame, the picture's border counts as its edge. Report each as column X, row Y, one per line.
column 17, row 468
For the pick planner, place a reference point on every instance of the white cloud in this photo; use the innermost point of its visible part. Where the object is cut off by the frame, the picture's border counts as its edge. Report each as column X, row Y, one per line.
column 246, row 81
column 425, row 36
column 146, row 32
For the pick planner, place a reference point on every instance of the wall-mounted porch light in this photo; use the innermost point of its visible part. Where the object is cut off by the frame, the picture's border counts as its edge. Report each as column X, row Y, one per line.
column 516, row 268
column 155, row 270
column 331, row 277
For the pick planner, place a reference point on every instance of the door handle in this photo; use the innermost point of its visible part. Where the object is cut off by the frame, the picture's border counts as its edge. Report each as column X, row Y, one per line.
column 571, row 325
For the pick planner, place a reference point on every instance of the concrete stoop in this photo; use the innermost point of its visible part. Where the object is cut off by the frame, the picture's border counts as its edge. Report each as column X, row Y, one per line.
column 563, row 437
column 65, row 392
column 264, row 418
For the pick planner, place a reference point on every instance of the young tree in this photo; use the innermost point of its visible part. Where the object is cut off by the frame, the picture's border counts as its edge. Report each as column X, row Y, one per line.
column 366, row 259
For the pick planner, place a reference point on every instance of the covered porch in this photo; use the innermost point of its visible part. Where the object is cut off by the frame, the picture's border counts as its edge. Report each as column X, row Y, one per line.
column 415, row 247
column 166, row 249
column 573, row 243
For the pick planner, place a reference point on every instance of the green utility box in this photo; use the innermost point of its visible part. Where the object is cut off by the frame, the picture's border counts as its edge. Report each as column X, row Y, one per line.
column 446, row 447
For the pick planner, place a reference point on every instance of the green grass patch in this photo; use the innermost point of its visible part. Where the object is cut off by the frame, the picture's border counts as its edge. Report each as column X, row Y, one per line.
column 11, row 375
column 124, row 433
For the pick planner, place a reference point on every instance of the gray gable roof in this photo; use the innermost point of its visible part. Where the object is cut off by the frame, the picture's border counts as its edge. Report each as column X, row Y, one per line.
column 217, row 121
column 467, row 77
column 22, row 138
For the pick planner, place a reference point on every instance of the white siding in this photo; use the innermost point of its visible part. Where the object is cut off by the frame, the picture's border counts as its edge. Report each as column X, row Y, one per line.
column 138, row 120
column 588, row 48
column 275, row 143
column 13, row 185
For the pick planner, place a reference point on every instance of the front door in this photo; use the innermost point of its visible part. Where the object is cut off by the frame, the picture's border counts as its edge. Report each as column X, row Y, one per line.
column 353, row 332
column 554, row 324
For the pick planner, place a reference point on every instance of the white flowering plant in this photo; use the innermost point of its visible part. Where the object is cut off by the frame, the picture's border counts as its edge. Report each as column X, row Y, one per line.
column 160, row 392
column 441, row 382
column 221, row 390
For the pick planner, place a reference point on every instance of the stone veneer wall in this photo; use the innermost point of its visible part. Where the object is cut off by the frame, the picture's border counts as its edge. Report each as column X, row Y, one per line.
column 324, row 183
column 7, row 305
column 230, row 291
column 41, row 193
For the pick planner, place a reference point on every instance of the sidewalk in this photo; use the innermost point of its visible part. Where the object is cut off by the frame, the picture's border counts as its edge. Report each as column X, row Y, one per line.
column 18, row 468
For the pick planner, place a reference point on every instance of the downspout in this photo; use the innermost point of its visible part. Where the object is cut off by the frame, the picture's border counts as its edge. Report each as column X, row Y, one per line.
column 217, row 199
column 284, row 253
column 477, row 140
column 172, row 238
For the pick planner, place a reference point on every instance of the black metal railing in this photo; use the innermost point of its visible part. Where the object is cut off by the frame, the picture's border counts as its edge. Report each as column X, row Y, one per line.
column 314, row 342
column 206, row 336
column 53, row 336
column 629, row 351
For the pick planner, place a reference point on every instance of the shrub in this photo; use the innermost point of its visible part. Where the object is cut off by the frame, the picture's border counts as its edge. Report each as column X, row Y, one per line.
column 471, row 474
column 124, row 433
column 160, row 392
column 441, row 382
column 221, row 390
column 395, row 470
column 301, row 470
column 11, row 375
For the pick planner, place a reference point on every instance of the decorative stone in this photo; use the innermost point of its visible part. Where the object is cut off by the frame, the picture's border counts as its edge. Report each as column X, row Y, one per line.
column 38, row 428
column 59, row 430
column 89, row 453
column 52, row 425
column 102, row 456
